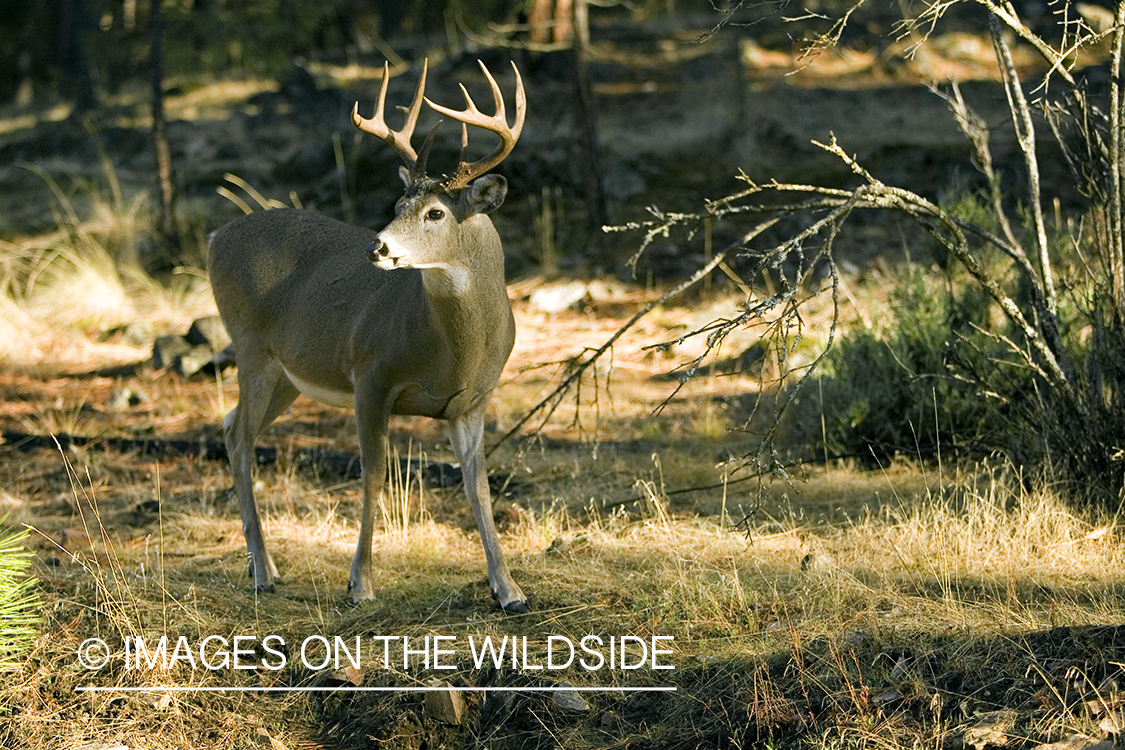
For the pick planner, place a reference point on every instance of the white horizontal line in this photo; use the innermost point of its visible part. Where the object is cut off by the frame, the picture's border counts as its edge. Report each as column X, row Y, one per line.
column 361, row 689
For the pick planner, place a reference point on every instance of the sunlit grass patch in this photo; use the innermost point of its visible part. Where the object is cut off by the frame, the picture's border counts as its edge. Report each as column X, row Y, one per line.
column 67, row 290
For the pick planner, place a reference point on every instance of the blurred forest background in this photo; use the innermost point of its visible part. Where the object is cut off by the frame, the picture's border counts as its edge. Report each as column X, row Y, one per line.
column 80, row 49
column 114, row 63
column 632, row 103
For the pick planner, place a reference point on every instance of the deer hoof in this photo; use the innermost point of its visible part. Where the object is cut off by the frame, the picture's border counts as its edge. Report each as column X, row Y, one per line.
column 516, row 607
column 360, row 592
column 267, row 586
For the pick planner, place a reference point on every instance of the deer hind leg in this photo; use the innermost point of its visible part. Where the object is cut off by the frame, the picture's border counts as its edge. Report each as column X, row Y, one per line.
column 371, row 415
column 466, row 433
column 263, row 393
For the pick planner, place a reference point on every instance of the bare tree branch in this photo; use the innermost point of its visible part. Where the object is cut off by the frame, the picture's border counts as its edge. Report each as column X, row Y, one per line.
column 1025, row 137
column 553, row 399
column 1117, row 121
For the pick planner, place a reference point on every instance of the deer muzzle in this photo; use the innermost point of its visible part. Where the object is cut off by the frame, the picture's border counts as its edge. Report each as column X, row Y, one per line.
column 377, row 250
column 379, row 253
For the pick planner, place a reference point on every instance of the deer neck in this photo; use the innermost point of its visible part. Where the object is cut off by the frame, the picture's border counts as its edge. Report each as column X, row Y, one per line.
column 468, row 299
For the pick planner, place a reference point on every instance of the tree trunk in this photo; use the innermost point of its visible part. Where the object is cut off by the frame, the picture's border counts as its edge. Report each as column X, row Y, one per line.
column 159, row 137
column 76, row 84
column 539, row 21
column 550, row 21
column 596, row 213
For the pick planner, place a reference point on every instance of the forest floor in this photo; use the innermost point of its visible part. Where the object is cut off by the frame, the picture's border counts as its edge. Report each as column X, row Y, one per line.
column 906, row 604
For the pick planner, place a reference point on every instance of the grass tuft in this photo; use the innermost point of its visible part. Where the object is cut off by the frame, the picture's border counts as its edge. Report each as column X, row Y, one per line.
column 63, row 294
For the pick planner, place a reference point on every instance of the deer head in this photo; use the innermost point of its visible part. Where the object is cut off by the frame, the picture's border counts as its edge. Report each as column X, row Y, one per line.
column 432, row 212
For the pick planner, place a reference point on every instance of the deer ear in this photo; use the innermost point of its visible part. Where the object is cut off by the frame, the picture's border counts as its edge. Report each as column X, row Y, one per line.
column 404, row 175
column 484, row 195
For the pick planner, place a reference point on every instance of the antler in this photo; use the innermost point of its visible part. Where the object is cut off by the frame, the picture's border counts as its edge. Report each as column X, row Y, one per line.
column 497, row 123
column 399, row 139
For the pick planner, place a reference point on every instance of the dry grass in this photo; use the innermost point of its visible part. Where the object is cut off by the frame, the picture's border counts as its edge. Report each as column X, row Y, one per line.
column 943, row 582
column 67, row 292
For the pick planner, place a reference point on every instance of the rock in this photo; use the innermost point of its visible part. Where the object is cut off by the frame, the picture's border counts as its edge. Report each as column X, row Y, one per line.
column 209, row 332
column 125, row 398
column 990, row 729
column 557, row 296
column 1077, row 742
column 348, row 674
column 604, row 290
column 818, row 561
column 223, row 359
column 165, row 350
column 888, row 696
column 1112, row 723
column 205, row 348
column 564, row 546
column 138, row 332
column 193, row 360
column 264, row 739
column 446, row 706
column 570, row 700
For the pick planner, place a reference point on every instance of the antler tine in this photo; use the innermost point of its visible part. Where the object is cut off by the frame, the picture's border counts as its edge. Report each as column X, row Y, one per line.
column 376, row 126
column 497, row 123
column 418, row 171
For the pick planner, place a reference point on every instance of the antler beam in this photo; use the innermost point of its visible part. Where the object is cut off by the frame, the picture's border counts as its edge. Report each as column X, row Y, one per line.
column 398, row 139
column 497, row 123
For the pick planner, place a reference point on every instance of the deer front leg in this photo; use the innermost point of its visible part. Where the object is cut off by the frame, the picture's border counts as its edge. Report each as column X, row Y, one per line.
column 466, row 433
column 264, row 393
column 371, row 413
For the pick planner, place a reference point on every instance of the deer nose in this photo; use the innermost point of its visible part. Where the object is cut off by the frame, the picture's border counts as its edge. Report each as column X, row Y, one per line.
column 376, row 250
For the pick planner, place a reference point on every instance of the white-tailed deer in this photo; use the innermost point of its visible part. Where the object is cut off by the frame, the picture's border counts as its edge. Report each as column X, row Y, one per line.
column 414, row 319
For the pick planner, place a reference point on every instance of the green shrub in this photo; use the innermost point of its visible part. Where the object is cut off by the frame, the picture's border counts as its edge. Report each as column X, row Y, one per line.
column 18, row 603
column 892, row 389
column 947, row 373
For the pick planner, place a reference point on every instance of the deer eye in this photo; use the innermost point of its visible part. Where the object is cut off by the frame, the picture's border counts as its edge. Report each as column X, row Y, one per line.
column 435, row 214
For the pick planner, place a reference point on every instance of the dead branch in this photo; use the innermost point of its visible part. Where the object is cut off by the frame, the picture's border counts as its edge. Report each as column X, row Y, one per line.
column 554, row 398
column 1025, row 137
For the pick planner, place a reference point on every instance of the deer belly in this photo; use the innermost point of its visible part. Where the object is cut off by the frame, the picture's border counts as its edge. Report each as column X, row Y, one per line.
column 323, row 394
column 415, row 401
